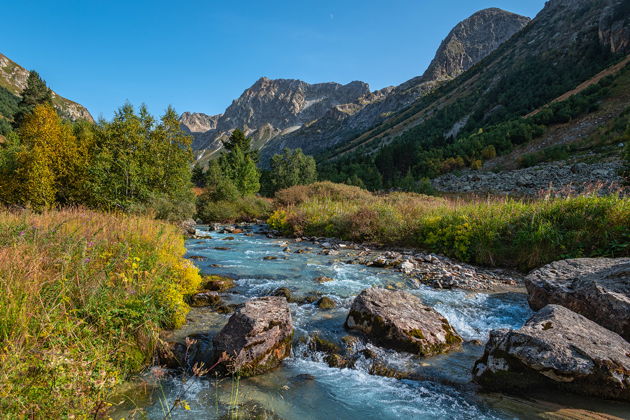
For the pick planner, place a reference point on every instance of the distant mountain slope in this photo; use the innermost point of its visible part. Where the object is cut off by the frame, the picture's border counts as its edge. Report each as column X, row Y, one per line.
column 292, row 113
column 567, row 43
column 468, row 42
column 271, row 107
column 13, row 81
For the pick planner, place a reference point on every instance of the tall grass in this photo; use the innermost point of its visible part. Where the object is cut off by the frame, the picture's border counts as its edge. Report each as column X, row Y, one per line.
column 496, row 232
column 82, row 297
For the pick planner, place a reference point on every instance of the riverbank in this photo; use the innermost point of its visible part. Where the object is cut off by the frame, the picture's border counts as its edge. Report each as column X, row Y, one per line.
column 83, row 296
column 496, row 232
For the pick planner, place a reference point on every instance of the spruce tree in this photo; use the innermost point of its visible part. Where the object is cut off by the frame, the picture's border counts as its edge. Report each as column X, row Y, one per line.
column 35, row 93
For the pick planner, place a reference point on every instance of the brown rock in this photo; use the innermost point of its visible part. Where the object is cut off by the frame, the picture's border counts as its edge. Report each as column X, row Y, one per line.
column 256, row 338
column 399, row 320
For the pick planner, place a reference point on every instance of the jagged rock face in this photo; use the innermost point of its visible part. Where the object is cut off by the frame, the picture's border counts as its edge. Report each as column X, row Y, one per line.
column 614, row 26
column 13, row 77
column 399, row 320
column 197, row 122
column 597, row 288
column 256, row 338
column 273, row 107
column 557, row 348
column 467, row 44
column 471, row 41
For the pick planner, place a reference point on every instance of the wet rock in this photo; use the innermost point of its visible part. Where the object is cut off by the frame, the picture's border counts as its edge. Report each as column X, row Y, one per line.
column 188, row 226
column 251, row 410
column 337, row 361
column 202, row 234
column 317, row 343
column 197, row 258
column 256, row 338
column 270, row 258
column 228, row 238
column 597, row 288
column 323, row 279
column 326, row 303
column 284, row 292
column 557, row 348
column 399, row 320
column 381, row 369
column 218, row 283
column 221, row 248
column 205, row 298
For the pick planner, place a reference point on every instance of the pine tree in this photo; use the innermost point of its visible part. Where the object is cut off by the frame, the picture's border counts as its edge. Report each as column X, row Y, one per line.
column 35, row 93
column 239, row 164
column 291, row 168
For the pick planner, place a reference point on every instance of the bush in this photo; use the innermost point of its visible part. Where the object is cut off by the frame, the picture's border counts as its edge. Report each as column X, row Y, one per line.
column 83, row 296
column 244, row 209
column 500, row 232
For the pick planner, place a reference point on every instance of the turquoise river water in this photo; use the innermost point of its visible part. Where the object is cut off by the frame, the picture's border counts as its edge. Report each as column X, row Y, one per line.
column 304, row 387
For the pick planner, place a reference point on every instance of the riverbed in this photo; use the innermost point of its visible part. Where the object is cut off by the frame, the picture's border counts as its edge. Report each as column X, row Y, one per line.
column 304, row 386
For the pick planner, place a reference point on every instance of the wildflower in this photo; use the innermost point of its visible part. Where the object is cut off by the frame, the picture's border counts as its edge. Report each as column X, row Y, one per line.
column 87, row 260
column 22, row 233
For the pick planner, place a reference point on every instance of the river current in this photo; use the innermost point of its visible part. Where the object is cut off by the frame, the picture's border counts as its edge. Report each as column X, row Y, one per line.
column 304, row 387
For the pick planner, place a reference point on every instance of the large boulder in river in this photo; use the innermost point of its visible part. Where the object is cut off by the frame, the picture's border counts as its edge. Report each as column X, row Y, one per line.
column 256, row 338
column 598, row 288
column 399, row 320
column 557, row 348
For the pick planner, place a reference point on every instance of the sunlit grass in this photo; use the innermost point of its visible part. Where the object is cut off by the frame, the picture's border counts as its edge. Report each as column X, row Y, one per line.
column 499, row 231
column 82, row 297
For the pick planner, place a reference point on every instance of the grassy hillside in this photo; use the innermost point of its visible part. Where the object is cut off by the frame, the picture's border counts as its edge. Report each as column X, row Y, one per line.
column 554, row 54
column 504, row 233
column 82, row 297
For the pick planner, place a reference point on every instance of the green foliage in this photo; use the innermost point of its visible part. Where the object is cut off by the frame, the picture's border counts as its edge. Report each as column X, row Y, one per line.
column 505, row 233
column 132, row 163
column 239, row 164
column 290, row 168
column 494, row 126
column 236, row 209
column 35, row 93
column 198, row 176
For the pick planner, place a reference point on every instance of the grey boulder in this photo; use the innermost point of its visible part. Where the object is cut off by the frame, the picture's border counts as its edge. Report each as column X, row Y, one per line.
column 557, row 348
column 597, row 288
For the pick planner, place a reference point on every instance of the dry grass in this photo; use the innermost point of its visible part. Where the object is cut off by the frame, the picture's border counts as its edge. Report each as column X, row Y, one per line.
column 82, row 296
column 493, row 231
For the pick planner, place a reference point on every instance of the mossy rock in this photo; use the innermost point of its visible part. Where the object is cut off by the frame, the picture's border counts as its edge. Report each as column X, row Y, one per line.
column 326, row 303
column 218, row 283
column 318, row 343
column 204, row 298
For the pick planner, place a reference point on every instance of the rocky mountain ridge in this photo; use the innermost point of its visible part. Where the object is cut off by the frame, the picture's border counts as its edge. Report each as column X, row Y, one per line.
column 291, row 113
column 13, row 77
column 273, row 107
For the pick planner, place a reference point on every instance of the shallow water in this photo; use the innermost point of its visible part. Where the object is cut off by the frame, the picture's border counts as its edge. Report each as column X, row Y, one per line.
column 304, row 387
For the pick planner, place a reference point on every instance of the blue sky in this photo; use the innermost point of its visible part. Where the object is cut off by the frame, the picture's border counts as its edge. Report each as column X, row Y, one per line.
column 200, row 55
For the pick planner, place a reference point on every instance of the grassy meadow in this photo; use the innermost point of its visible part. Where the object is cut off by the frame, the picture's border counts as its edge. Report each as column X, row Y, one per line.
column 521, row 234
column 83, row 296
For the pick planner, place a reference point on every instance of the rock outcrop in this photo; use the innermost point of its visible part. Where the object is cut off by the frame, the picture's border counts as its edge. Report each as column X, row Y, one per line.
column 558, row 178
column 597, row 288
column 274, row 107
column 256, row 338
column 13, row 77
column 557, row 348
column 399, row 320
